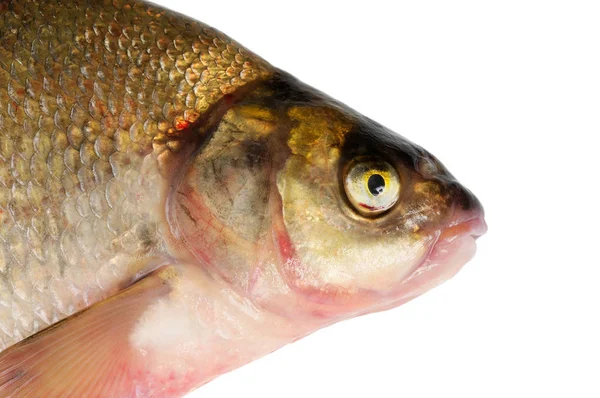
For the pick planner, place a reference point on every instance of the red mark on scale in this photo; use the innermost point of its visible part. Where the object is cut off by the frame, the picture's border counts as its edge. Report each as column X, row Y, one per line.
column 181, row 124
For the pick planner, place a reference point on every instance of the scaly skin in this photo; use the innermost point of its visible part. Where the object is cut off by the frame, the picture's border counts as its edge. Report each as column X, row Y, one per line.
column 188, row 203
column 91, row 93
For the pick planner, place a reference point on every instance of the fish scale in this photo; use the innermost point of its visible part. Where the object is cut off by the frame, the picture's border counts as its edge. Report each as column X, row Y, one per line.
column 86, row 102
column 192, row 207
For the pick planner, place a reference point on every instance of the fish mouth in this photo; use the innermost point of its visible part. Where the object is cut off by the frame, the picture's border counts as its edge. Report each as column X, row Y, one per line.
column 454, row 247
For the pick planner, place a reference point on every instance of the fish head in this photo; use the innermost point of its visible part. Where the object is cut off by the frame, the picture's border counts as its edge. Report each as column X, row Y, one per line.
column 313, row 209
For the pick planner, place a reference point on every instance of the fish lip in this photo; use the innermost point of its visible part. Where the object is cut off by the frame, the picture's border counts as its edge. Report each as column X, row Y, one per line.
column 452, row 247
column 472, row 223
column 455, row 242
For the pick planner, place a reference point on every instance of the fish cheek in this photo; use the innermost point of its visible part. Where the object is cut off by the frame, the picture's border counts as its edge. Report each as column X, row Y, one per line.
column 314, row 232
column 330, row 254
column 220, row 207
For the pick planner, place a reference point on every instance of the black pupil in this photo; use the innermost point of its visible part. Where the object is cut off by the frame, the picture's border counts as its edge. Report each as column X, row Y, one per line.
column 376, row 184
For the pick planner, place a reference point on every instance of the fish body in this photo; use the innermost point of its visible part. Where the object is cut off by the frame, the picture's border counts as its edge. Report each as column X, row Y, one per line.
column 89, row 89
column 173, row 207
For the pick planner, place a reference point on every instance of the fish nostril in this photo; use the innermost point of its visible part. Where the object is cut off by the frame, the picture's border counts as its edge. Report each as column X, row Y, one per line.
column 427, row 167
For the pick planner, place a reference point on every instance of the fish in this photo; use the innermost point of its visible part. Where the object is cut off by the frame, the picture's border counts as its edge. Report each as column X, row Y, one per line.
column 173, row 207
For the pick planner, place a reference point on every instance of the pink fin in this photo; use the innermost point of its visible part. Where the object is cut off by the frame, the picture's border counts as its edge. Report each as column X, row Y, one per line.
column 87, row 354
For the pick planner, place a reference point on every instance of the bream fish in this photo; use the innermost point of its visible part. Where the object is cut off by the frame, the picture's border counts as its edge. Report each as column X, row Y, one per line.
column 173, row 207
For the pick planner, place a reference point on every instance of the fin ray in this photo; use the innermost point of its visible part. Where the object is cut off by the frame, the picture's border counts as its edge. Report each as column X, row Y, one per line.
column 87, row 354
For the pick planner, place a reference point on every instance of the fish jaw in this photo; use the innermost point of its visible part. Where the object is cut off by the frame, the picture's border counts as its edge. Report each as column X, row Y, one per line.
column 453, row 249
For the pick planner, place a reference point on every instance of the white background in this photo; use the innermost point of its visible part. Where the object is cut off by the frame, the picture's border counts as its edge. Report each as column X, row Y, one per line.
column 507, row 95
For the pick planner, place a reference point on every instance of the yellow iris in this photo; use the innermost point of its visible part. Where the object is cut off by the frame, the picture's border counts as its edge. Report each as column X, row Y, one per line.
column 372, row 186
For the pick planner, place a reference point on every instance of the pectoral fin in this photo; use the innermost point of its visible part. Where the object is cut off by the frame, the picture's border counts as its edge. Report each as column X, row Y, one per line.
column 87, row 354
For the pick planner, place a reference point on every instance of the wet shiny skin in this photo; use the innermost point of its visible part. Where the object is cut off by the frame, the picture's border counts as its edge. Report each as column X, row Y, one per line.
column 194, row 197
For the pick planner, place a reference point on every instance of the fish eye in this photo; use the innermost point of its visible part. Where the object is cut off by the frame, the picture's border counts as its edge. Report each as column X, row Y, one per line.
column 372, row 186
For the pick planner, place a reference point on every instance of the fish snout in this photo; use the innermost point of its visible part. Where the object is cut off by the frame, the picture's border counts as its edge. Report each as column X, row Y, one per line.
column 465, row 200
column 430, row 168
column 468, row 215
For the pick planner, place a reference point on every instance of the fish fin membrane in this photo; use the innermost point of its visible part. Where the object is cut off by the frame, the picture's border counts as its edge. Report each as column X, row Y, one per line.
column 87, row 354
